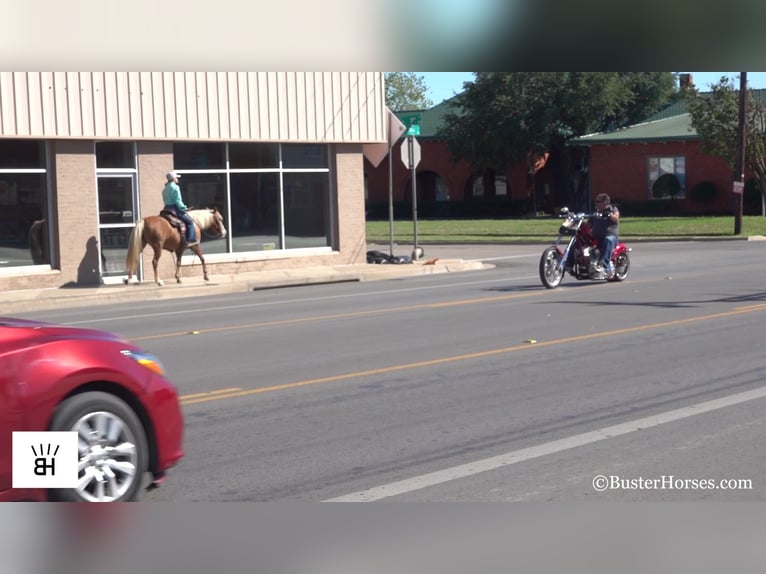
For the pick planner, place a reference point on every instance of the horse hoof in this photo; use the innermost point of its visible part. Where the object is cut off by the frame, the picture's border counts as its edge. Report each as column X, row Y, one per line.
column 160, row 282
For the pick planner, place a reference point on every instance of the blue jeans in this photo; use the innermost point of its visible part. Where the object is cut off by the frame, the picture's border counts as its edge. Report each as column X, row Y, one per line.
column 607, row 245
column 190, row 234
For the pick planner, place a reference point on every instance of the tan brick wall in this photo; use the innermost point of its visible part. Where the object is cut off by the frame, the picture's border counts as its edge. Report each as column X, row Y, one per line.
column 155, row 159
column 350, row 188
column 75, row 212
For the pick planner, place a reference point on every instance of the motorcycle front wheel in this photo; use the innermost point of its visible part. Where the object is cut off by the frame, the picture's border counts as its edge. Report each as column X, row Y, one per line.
column 621, row 267
column 550, row 274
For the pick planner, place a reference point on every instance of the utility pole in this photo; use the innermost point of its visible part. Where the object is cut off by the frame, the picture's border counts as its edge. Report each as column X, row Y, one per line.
column 739, row 174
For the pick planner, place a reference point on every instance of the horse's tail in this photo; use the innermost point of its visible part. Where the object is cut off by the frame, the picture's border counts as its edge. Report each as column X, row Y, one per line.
column 36, row 242
column 135, row 247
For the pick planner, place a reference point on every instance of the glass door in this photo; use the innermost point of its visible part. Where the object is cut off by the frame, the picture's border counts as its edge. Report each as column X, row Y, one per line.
column 116, row 220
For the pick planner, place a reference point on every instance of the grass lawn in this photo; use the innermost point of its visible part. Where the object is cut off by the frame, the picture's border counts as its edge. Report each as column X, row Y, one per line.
column 546, row 229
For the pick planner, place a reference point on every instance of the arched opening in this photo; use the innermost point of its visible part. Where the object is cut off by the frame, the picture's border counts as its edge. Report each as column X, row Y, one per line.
column 430, row 187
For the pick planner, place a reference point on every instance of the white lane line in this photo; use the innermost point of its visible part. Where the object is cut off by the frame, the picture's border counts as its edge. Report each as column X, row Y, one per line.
column 524, row 454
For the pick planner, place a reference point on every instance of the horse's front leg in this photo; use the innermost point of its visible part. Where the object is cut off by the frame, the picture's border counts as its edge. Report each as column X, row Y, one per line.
column 155, row 261
column 198, row 252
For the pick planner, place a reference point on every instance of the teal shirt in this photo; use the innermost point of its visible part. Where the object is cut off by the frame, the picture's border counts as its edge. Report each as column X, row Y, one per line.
column 171, row 195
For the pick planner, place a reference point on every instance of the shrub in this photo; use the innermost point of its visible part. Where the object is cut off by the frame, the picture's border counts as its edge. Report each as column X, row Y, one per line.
column 667, row 185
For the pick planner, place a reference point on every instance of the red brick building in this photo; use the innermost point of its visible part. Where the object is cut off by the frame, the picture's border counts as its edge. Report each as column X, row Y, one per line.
column 624, row 163
column 441, row 180
column 627, row 162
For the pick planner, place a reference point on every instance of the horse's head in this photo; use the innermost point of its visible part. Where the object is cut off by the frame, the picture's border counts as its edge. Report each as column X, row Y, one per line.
column 217, row 225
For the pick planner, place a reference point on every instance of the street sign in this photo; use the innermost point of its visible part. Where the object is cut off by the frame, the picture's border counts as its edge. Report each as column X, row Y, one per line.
column 410, row 160
column 738, row 187
column 412, row 123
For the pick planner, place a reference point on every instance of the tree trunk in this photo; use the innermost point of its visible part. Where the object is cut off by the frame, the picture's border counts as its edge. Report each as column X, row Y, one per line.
column 762, row 184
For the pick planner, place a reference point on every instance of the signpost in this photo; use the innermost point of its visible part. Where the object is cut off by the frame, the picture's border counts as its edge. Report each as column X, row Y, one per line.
column 410, row 150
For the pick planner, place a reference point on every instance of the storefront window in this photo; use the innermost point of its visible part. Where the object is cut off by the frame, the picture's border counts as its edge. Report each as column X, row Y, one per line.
column 206, row 191
column 271, row 207
column 306, row 210
column 199, row 156
column 24, row 236
column 253, row 156
column 115, row 155
column 255, row 212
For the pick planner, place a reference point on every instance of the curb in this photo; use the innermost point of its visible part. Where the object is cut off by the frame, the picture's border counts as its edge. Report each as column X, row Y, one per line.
column 45, row 299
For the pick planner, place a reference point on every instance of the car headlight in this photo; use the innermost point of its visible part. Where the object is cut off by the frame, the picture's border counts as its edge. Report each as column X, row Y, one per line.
column 146, row 360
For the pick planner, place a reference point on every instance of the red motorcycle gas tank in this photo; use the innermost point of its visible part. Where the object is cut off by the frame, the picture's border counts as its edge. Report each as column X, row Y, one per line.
column 586, row 232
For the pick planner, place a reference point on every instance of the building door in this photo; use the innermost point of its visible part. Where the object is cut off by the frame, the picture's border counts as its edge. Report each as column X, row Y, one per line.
column 116, row 220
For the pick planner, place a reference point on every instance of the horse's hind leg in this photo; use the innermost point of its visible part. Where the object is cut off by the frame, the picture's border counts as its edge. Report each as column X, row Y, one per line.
column 155, row 261
column 179, row 254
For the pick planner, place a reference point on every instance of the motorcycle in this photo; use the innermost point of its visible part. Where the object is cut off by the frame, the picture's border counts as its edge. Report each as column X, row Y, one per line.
column 581, row 254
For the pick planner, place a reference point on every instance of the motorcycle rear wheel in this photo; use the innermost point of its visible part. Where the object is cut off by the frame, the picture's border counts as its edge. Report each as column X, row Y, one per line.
column 621, row 267
column 550, row 274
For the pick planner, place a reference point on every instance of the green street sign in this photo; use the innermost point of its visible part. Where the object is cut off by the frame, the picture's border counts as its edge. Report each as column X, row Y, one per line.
column 412, row 123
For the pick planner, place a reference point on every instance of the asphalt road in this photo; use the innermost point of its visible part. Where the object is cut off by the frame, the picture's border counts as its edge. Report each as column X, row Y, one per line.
column 479, row 386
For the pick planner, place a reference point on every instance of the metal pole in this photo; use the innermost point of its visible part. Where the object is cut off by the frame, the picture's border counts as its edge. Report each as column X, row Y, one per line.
column 740, row 169
column 390, row 201
column 411, row 158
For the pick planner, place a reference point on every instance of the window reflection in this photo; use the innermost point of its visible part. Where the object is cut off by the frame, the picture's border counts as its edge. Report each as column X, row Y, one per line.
column 22, row 204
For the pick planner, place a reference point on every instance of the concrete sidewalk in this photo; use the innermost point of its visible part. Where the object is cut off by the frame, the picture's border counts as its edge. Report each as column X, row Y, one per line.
column 41, row 299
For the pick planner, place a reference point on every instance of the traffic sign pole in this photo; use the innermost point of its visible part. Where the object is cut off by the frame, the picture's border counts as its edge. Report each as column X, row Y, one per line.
column 413, row 165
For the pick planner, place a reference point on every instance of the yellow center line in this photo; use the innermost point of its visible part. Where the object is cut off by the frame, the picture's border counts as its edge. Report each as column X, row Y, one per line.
column 211, row 393
column 189, row 400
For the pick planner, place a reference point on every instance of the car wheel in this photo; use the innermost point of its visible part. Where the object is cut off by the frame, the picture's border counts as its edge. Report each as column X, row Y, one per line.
column 113, row 449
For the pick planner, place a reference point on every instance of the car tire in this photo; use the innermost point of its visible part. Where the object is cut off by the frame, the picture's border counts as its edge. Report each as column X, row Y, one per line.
column 114, row 456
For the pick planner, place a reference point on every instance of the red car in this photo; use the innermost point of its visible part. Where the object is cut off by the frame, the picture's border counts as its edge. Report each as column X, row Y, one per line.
column 115, row 395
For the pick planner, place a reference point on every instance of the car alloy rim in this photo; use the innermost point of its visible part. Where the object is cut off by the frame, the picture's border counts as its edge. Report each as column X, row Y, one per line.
column 108, row 457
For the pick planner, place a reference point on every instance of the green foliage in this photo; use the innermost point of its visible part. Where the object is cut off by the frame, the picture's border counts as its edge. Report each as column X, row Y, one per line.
column 667, row 185
column 715, row 116
column 703, row 191
column 503, row 117
column 406, row 91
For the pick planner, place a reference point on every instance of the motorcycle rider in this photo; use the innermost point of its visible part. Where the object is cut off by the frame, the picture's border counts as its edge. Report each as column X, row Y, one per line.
column 605, row 226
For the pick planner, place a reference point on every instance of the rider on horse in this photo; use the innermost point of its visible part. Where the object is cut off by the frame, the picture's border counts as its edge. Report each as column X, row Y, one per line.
column 171, row 196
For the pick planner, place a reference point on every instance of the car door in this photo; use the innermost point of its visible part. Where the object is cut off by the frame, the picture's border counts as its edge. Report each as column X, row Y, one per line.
column 10, row 415
column 6, row 426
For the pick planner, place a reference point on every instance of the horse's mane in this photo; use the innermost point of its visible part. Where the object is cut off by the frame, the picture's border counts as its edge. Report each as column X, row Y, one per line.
column 202, row 217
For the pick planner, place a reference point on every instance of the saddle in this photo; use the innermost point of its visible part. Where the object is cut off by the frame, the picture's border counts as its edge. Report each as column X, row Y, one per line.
column 175, row 222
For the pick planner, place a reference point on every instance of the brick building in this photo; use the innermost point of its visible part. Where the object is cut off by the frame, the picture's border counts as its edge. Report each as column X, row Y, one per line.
column 440, row 180
column 624, row 163
column 279, row 154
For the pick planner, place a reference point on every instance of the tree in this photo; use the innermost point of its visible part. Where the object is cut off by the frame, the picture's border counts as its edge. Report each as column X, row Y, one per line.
column 715, row 116
column 506, row 117
column 406, row 91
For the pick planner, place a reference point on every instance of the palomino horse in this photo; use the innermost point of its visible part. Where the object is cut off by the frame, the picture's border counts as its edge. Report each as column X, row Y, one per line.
column 156, row 231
